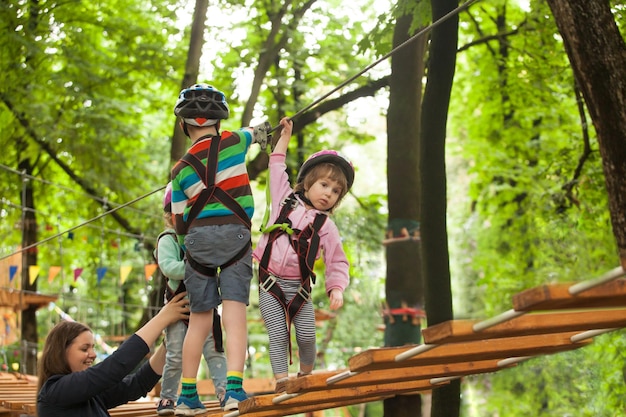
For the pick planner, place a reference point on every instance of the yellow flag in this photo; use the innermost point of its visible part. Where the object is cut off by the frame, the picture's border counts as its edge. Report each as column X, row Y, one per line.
column 33, row 272
column 54, row 271
column 124, row 271
column 149, row 270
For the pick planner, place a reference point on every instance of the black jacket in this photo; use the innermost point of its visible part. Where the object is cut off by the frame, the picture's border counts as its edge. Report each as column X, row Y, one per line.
column 90, row 393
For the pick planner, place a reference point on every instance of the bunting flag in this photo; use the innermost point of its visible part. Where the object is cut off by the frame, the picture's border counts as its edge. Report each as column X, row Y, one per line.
column 124, row 271
column 12, row 272
column 108, row 349
column 54, row 271
column 149, row 270
column 33, row 272
column 70, row 235
column 77, row 273
column 101, row 271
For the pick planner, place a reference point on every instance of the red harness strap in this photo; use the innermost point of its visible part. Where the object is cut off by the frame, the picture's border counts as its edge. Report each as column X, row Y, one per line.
column 306, row 244
column 211, row 192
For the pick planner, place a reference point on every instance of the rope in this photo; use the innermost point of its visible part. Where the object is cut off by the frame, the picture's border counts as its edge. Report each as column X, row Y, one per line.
column 82, row 224
column 464, row 6
column 420, row 33
column 62, row 187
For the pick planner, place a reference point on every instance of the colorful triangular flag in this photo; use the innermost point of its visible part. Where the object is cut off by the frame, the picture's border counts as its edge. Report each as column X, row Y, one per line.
column 77, row 273
column 101, row 271
column 149, row 270
column 124, row 271
column 33, row 272
column 12, row 272
column 54, row 271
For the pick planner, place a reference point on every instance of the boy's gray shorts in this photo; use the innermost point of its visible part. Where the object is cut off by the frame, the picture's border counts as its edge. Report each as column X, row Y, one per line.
column 213, row 246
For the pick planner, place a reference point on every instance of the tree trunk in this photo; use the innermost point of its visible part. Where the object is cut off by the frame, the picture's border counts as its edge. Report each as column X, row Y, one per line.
column 29, row 258
column 436, row 267
column 403, row 288
column 192, row 68
column 597, row 53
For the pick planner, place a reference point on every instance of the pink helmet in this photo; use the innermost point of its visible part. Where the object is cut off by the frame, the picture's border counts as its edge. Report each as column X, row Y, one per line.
column 167, row 198
column 330, row 156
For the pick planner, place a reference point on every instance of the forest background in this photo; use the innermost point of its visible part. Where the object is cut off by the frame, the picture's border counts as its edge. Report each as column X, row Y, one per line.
column 86, row 112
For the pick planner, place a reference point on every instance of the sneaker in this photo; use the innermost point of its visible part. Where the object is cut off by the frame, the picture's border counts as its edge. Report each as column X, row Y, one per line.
column 165, row 407
column 189, row 406
column 281, row 385
column 232, row 399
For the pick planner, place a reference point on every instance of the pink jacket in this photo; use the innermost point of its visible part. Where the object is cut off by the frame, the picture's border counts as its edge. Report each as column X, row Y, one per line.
column 284, row 261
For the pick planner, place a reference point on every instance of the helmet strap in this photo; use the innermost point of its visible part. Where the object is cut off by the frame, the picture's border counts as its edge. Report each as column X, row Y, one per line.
column 184, row 126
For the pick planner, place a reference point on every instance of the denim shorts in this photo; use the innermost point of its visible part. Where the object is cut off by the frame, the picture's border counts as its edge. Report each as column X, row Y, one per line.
column 213, row 246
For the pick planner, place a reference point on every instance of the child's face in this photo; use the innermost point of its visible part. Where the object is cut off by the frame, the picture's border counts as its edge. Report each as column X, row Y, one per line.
column 324, row 193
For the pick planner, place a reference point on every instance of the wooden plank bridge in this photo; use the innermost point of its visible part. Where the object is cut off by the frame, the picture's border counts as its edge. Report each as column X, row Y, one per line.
column 544, row 320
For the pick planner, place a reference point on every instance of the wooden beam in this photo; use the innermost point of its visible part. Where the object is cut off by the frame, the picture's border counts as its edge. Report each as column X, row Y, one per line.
column 385, row 358
column 558, row 297
column 318, row 380
column 456, row 331
column 299, row 409
column 337, row 396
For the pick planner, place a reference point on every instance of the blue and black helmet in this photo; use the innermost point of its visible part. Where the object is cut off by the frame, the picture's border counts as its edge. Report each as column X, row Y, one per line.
column 201, row 101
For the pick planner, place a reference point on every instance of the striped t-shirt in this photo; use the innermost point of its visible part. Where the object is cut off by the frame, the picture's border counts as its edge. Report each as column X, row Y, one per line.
column 231, row 176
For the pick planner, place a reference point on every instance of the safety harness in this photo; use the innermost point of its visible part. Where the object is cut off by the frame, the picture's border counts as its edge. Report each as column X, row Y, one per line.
column 169, row 294
column 212, row 192
column 306, row 244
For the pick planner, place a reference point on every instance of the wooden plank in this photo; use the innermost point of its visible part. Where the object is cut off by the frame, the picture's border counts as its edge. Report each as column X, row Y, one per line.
column 318, row 380
column 384, row 358
column 557, row 297
column 457, row 331
column 299, row 409
column 266, row 402
column 251, row 385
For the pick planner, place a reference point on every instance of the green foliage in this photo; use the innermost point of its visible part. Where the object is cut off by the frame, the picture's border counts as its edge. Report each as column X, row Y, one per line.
column 586, row 382
column 83, row 86
column 532, row 210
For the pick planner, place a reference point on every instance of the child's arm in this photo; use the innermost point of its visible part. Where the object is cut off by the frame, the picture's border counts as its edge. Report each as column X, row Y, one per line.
column 285, row 135
column 168, row 255
column 336, row 298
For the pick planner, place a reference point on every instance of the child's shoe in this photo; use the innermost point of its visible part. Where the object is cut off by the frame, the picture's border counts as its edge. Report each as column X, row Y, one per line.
column 281, row 385
column 232, row 399
column 189, row 406
column 165, row 407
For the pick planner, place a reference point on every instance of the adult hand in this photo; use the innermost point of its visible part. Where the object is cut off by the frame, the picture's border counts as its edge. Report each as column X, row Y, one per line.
column 176, row 309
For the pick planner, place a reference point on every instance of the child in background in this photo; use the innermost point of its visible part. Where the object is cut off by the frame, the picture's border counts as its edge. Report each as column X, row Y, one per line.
column 286, row 260
column 213, row 206
column 170, row 257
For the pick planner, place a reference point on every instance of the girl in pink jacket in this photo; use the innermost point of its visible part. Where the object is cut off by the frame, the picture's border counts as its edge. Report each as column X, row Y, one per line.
column 300, row 232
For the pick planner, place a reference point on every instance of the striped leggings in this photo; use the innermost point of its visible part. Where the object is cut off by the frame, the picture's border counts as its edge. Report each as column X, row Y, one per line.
column 276, row 324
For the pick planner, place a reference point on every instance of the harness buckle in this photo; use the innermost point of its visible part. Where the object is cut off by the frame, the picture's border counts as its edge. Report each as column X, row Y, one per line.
column 268, row 283
column 303, row 293
column 290, row 202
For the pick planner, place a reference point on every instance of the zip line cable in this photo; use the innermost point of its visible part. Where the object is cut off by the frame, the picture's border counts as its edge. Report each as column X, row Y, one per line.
column 62, row 187
column 420, row 33
column 106, row 213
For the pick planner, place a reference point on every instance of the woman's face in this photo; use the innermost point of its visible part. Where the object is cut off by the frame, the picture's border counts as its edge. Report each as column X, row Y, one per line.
column 80, row 353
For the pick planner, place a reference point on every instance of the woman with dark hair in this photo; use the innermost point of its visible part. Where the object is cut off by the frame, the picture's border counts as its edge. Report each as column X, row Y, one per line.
column 70, row 386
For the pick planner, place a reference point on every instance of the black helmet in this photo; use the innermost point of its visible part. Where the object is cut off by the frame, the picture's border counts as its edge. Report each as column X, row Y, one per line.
column 332, row 156
column 201, row 101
